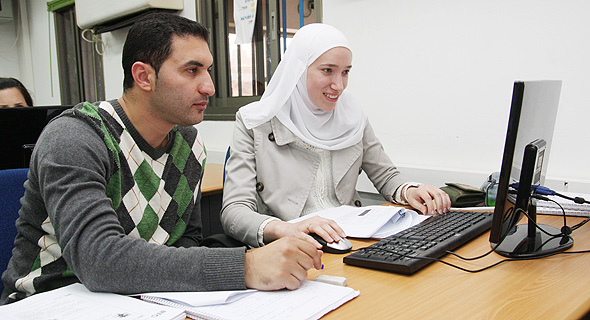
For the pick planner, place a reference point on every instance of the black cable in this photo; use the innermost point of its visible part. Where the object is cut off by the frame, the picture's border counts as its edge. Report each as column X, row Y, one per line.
column 539, row 197
column 565, row 232
column 486, row 267
column 565, row 227
column 508, row 216
column 581, row 224
column 578, row 200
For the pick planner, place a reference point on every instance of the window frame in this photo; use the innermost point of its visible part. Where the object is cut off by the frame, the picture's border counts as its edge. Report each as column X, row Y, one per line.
column 81, row 71
column 212, row 14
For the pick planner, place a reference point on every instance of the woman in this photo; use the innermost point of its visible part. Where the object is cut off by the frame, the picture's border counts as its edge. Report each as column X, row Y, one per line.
column 301, row 148
column 14, row 94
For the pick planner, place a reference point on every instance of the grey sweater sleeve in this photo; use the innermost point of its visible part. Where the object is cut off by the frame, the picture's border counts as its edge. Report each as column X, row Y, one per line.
column 70, row 168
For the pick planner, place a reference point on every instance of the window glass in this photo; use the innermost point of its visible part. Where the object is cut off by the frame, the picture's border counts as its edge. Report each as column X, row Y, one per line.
column 241, row 72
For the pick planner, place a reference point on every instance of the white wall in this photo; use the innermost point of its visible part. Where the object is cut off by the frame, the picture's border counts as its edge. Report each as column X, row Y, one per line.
column 8, row 42
column 28, row 52
column 436, row 78
column 39, row 57
column 8, row 50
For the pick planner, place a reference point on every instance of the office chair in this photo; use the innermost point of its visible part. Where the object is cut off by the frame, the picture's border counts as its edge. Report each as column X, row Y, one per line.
column 11, row 190
column 220, row 240
column 225, row 162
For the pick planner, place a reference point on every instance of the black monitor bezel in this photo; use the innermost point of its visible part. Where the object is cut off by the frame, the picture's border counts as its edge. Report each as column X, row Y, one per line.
column 499, row 226
column 16, row 130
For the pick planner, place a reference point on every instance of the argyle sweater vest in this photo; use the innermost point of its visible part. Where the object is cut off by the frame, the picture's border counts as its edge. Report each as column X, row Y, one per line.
column 153, row 198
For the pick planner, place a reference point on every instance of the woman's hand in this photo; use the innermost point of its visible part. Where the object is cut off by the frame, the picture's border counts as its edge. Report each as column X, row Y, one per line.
column 428, row 199
column 325, row 228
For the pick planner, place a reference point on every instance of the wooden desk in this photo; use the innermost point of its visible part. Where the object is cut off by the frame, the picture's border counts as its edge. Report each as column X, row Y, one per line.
column 212, row 191
column 212, row 179
column 550, row 288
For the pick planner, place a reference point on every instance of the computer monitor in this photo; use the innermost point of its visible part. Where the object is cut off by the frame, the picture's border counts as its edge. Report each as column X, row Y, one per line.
column 20, row 128
column 526, row 150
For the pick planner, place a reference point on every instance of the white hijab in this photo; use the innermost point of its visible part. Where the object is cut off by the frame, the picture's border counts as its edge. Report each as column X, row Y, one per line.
column 286, row 96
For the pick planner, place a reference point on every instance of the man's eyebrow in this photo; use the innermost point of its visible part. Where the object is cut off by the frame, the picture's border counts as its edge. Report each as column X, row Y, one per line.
column 194, row 63
column 191, row 63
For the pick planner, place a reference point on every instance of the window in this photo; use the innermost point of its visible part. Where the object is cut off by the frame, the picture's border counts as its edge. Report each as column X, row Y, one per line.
column 241, row 72
column 79, row 61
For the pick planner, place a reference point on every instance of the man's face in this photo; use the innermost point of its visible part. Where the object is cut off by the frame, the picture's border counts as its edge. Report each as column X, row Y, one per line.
column 184, row 85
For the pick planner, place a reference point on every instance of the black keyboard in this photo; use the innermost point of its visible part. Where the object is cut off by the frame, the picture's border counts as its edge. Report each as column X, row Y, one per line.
column 431, row 238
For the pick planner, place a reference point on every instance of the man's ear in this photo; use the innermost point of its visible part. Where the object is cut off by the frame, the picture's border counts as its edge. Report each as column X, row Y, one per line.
column 144, row 75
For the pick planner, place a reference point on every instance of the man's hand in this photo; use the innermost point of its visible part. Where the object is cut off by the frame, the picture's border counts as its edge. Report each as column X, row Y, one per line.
column 281, row 264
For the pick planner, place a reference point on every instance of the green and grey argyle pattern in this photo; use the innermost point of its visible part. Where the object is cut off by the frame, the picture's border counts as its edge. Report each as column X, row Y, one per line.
column 153, row 198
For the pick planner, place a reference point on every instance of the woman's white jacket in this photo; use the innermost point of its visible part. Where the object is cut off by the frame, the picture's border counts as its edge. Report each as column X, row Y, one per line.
column 268, row 174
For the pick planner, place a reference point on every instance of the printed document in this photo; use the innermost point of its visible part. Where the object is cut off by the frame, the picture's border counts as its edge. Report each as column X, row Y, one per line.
column 371, row 221
column 75, row 302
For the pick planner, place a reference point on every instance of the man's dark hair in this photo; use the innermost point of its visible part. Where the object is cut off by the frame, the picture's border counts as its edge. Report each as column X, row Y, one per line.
column 150, row 41
column 7, row 83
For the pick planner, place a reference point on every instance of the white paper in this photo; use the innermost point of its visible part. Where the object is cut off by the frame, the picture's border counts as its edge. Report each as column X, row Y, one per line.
column 244, row 18
column 75, row 302
column 405, row 219
column 571, row 208
column 371, row 221
column 311, row 301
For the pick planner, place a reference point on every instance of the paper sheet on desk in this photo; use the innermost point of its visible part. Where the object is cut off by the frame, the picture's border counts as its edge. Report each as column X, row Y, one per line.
column 311, row 301
column 371, row 221
column 194, row 299
column 75, row 302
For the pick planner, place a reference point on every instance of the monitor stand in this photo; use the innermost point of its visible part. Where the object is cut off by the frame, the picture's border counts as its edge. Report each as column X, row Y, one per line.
column 526, row 241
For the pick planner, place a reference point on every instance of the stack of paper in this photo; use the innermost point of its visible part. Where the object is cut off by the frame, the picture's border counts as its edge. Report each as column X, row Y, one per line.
column 571, row 208
column 369, row 222
column 311, row 301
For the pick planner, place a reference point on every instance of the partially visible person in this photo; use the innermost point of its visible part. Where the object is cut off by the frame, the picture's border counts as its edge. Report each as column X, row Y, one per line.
column 113, row 194
column 14, row 94
column 301, row 148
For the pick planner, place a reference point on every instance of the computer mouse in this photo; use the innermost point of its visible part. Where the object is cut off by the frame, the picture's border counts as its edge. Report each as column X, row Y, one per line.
column 342, row 246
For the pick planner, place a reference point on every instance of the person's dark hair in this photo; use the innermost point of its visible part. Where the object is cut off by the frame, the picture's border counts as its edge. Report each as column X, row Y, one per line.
column 6, row 83
column 150, row 40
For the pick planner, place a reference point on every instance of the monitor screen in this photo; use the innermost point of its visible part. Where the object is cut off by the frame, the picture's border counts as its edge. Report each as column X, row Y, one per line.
column 20, row 128
column 530, row 127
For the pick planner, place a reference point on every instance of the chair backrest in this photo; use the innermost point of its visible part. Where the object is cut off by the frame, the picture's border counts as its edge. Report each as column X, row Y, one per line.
column 11, row 190
column 225, row 162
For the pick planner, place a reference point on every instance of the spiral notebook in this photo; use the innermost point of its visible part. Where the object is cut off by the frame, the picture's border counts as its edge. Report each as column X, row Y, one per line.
column 311, row 301
column 194, row 299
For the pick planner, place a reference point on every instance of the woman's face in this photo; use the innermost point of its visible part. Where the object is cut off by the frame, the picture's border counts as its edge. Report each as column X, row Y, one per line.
column 327, row 77
column 11, row 97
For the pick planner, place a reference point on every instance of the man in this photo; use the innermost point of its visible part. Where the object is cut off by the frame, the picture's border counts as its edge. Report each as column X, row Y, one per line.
column 113, row 194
